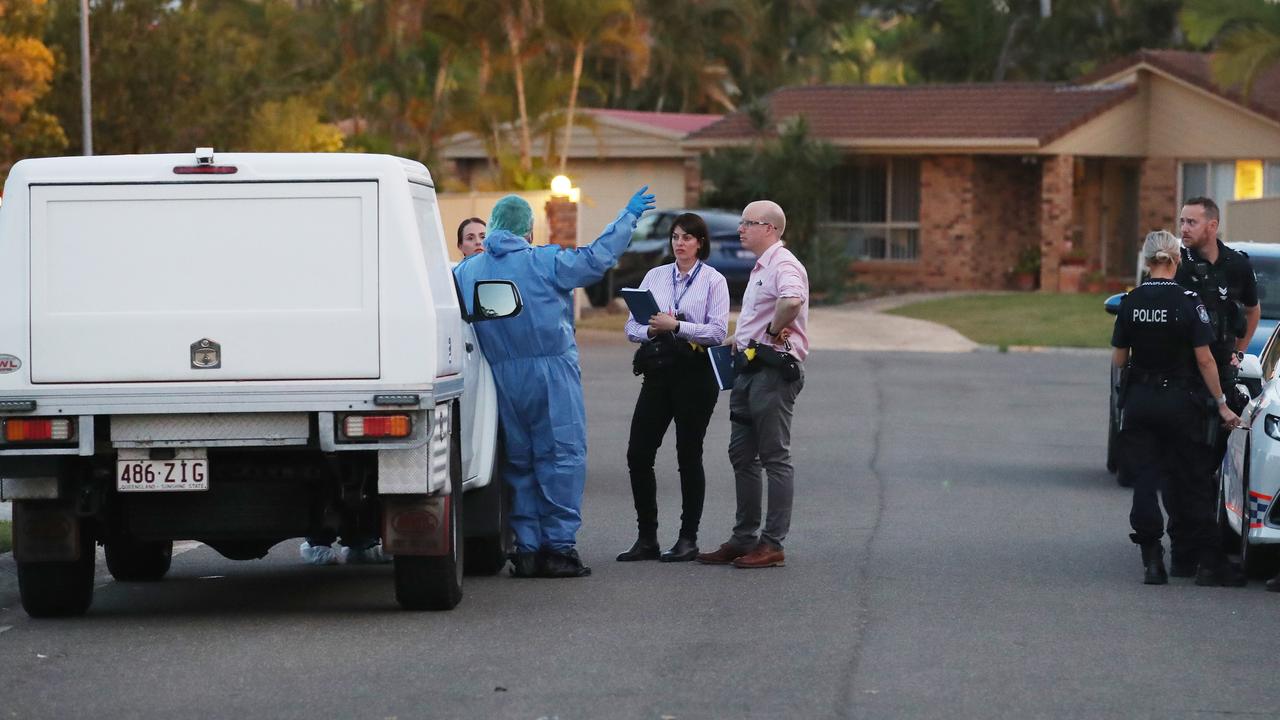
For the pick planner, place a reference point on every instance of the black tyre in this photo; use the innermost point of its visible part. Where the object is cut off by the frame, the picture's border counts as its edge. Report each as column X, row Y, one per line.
column 58, row 589
column 139, row 561
column 1113, row 442
column 601, row 293
column 487, row 513
column 435, row 583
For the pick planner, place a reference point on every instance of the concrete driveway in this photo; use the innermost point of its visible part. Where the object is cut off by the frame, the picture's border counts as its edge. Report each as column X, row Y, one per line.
column 864, row 326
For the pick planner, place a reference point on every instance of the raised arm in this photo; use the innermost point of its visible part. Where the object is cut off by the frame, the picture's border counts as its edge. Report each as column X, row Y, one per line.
column 583, row 266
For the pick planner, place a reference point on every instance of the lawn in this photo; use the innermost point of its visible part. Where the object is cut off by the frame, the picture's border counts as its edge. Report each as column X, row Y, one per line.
column 1046, row 319
column 6, row 536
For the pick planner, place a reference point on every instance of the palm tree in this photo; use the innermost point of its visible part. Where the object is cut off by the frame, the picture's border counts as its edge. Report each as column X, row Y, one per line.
column 1246, row 34
column 520, row 20
column 603, row 23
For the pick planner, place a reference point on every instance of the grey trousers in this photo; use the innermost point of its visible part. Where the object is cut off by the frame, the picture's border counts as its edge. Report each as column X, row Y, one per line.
column 760, row 409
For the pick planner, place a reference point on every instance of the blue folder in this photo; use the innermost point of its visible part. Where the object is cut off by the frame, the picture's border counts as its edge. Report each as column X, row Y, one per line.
column 641, row 304
column 721, row 357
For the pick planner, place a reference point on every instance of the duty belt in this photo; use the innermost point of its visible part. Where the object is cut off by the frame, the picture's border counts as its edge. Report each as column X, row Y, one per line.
column 1163, row 380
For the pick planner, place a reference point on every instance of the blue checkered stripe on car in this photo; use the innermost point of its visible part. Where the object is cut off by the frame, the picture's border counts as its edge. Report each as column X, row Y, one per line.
column 1258, row 505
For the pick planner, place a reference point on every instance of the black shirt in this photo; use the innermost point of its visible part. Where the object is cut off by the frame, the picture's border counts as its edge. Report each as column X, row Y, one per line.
column 1162, row 323
column 1228, row 280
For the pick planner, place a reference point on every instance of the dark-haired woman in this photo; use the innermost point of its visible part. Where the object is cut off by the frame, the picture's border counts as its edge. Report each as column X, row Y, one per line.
column 471, row 236
column 681, row 386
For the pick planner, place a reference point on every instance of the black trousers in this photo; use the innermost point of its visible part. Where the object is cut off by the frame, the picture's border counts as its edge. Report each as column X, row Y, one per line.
column 686, row 393
column 1164, row 450
column 1181, row 544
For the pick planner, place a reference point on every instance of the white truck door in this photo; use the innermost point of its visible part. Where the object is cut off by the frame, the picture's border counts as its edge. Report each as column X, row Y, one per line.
column 127, row 279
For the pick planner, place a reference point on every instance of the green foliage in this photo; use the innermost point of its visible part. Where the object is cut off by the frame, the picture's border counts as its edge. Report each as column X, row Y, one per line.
column 291, row 126
column 26, row 74
column 402, row 76
column 791, row 169
column 1245, row 34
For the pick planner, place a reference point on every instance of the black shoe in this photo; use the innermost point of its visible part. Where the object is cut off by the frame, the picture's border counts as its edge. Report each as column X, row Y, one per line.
column 525, row 565
column 563, row 564
column 643, row 549
column 1274, row 584
column 1224, row 575
column 1153, row 564
column 684, row 550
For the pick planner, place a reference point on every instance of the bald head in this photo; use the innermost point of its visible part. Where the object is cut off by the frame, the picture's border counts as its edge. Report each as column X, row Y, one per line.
column 761, row 227
column 770, row 212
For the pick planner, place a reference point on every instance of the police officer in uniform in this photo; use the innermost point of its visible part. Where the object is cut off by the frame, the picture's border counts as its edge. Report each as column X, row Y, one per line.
column 1224, row 280
column 1161, row 339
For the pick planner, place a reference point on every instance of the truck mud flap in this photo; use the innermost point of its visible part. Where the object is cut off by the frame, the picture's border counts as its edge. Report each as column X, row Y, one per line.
column 416, row 524
column 45, row 532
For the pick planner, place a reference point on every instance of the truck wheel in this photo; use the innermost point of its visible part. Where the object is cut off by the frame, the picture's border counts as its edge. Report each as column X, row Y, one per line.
column 435, row 583
column 487, row 554
column 58, row 589
column 138, row 561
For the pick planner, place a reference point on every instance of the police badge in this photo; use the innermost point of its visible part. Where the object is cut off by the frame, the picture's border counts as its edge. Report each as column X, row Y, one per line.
column 1204, row 315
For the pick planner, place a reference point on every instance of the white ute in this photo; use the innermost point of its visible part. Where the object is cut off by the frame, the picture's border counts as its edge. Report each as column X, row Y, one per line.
column 239, row 350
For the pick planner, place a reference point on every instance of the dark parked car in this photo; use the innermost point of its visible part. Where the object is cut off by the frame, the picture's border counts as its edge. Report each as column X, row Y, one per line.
column 650, row 247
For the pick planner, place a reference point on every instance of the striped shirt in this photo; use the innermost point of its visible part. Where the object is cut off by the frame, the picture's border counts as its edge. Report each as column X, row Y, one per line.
column 700, row 295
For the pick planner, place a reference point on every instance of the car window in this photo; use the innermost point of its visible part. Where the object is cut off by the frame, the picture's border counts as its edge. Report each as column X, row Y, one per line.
column 644, row 228
column 1267, row 271
column 662, row 228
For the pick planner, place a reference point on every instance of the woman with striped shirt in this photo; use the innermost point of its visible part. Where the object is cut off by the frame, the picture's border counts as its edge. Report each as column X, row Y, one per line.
column 681, row 387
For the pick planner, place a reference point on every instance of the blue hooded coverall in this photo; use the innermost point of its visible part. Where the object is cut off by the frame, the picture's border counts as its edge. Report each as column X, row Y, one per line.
column 535, row 366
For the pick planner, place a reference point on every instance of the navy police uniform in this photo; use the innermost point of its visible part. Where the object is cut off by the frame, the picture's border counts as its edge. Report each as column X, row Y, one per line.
column 1225, row 287
column 1164, row 444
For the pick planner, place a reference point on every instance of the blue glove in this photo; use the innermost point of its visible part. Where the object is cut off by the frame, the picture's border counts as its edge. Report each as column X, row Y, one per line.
column 640, row 202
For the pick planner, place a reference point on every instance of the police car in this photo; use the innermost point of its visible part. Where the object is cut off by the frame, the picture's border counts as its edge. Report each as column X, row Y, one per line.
column 1250, row 473
column 1265, row 258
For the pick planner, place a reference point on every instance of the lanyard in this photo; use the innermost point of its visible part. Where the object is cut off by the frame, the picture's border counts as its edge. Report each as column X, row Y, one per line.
column 675, row 287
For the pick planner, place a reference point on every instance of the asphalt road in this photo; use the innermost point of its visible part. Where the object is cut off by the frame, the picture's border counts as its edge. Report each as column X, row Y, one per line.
column 957, row 551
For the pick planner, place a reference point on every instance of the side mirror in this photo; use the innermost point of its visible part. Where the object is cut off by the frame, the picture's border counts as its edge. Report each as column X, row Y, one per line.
column 496, row 299
column 1250, row 368
column 1250, row 374
column 1112, row 304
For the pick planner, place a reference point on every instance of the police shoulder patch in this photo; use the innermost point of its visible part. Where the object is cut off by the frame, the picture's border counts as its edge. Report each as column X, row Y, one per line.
column 1204, row 315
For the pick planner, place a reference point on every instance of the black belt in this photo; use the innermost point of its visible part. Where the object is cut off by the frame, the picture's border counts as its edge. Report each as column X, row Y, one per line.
column 1163, row 380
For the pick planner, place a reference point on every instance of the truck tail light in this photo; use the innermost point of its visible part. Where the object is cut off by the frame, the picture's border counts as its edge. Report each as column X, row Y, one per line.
column 17, row 430
column 361, row 427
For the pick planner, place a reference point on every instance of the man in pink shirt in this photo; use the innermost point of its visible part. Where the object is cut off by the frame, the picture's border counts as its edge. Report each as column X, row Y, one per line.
column 771, row 344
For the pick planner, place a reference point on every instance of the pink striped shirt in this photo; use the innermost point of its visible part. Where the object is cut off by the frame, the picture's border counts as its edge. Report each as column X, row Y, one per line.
column 703, row 298
column 777, row 274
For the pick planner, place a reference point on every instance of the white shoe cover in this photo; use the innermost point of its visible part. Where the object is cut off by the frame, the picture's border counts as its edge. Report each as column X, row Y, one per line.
column 318, row 554
column 369, row 556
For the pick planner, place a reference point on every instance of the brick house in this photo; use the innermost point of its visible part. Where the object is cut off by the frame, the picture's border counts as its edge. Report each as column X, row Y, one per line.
column 612, row 153
column 945, row 186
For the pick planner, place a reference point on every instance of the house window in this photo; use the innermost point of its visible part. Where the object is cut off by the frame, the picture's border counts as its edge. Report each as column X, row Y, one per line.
column 874, row 207
column 1217, row 179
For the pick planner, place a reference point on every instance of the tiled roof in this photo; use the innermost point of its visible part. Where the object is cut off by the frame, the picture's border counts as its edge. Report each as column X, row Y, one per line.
column 1193, row 67
column 682, row 123
column 988, row 111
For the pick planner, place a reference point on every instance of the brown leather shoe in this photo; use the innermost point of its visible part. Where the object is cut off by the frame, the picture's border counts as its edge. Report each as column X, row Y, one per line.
column 726, row 554
column 765, row 555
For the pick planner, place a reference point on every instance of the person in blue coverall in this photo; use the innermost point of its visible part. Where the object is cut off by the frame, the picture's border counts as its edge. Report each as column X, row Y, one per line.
column 535, row 365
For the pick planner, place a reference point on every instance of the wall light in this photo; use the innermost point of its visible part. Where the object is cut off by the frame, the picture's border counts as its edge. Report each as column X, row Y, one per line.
column 561, row 186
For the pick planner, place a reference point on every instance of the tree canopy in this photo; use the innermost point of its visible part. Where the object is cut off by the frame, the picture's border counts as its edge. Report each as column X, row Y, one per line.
column 401, row 76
